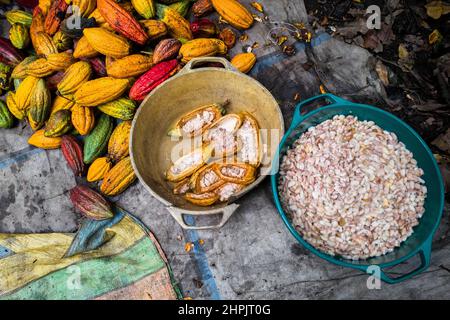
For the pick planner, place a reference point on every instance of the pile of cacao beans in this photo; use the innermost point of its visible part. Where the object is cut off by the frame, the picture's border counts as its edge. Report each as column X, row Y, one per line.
column 76, row 70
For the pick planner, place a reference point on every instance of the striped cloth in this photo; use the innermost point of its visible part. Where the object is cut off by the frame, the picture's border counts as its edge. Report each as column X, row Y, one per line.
column 112, row 259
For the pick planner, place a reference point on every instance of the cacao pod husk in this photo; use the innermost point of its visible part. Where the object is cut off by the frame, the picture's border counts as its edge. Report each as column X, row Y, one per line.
column 12, row 106
column 145, row 8
column 202, row 47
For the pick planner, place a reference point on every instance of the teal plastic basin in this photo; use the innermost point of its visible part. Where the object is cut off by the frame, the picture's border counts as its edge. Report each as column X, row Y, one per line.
column 419, row 243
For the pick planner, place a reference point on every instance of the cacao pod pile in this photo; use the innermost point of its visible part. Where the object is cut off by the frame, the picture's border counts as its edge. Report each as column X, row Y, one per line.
column 76, row 71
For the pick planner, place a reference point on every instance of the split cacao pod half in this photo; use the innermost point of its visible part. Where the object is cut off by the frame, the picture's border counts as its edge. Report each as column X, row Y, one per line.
column 145, row 8
column 241, row 173
column 227, row 190
column 99, row 91
column 19, row 36
column 244, row 62
column 203, row 199
column 121, row 108
column 55, row 16
column 118, row 146
column 98, row 169
column 202, row 47
column 58, row 124
column 77, row 74
column 119, row 178
column 122, row 21
column 107, row 43
column 73, row 153
column 166, row 49
column 130, row 66
column 228, row 37
column 197, row 158
column 39, row 140
column 90, row 203
column 178, row 26
column 96, row 142
column 6, row 118
column 154, row 28
column 152, row 78
column 233, row 12
column 83, row 119
column 249, row 138
column 40, row 104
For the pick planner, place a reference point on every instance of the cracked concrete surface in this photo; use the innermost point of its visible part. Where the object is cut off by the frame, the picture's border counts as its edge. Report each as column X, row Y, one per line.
column 253, row 256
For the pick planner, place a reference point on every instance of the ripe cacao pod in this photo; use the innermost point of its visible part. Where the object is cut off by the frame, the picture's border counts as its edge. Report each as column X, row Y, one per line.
column 58, row 124
column 202, row 47
column 8, row 54
column 62, row 42
column 119, row 141
column 98, row 169
column 83, row 119
column 122, row 108
column 20, row 70
column 39, row 140
column 39, row 68
column 166, row 49
column 19, row 36
column 73, row 153
column 107, row 43
column 77, row 74
column 85, row 7
column 122, row 21
column 44, row 5
column 19, row 16
column 55, row 15
column 178, row 26
column 96, row 142
column 130, row 66
column 152, row 78
column 43, row 44
column 154, row 28
column 100, row 91
column 202, row 7
column 244, row 62
column 40, row 103
column 119, row 178
column 24, row 92
column 60, row 61
column 101, row 22
column 12, row 106
column 182, row 7
column 6, row 118
column 83, row 49
column 90, row 203
column 234, row 13
column 61, row 103
column 146, row 8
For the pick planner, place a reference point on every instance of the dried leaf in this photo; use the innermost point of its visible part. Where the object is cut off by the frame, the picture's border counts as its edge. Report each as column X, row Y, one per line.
column 403, row 52
column 443, row 141
column 435, row 37
column 382, row 72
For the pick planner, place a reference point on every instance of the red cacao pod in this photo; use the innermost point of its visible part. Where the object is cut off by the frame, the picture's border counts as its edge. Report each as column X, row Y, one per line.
column 98, row 65
column 152, row 78
column 55, row 16
column 73, row 153
column 122, row 21
column 9, row 54
column 203, row 28
column 91, row 204
column 166, row 49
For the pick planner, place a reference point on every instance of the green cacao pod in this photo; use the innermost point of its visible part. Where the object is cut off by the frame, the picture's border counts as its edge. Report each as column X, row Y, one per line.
column 122, row 108
column 58, row 124
column 96, row 142
column 19, row 36
column 6, row 118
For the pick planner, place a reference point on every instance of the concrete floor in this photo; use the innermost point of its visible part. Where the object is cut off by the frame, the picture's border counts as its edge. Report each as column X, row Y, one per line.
column 253, row 256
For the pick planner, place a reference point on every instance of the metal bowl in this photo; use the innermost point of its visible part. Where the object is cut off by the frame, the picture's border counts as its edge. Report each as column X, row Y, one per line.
column 150, row 146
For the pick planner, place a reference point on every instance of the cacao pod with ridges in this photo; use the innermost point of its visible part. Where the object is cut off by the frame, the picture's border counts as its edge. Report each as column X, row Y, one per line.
column 90, row 204
column 73, row 153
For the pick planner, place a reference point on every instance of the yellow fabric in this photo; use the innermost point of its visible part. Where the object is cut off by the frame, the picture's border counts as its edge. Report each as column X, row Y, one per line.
column 36, row 255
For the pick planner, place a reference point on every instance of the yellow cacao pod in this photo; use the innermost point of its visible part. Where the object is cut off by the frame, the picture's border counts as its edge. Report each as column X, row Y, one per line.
column 39, row 68
column 62, row 41
column 19, row 36
column 119, row 178
column 100, row 91
column 12, row 106
column 44, row 5
column 178, row 26
column 119, row 141
column 39, row 140
column 244, row 62
column 74, row 77
column 130, row 66
column 234, row 13
column 24, row 92
column 83, row 49
column 40, row 103
column 20, row 71
column 146, row 8
column 43, row 44
column 86, row 7
column 202, row 47
column 61, row 103
column 60, row 61
column 19, row 16
column 98, row 169
column 107, row 42
column 154, row 28
column 83, row 119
